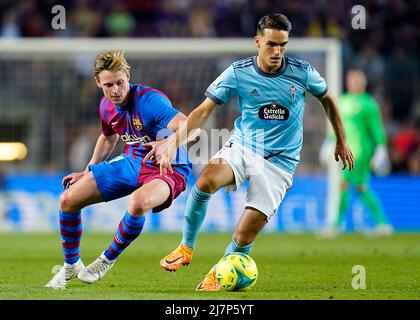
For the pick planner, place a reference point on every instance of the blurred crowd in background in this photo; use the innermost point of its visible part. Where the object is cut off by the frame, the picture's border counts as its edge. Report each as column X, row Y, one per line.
column 387, row 50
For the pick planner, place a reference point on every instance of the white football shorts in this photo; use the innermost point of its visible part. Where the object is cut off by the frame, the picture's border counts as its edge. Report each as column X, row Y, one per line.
column 267, row 183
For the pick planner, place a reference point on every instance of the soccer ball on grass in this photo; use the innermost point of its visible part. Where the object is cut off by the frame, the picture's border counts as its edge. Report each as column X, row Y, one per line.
column 236, row 272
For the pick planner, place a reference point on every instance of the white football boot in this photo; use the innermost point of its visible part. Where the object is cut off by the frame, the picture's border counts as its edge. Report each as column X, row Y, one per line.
column 96, row 270
column 63, row 276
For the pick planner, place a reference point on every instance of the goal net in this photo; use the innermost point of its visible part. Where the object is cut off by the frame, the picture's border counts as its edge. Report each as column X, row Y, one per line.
column 49, row 101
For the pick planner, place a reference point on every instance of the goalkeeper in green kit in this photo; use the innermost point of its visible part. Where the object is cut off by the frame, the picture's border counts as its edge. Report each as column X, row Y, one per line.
column 367, row 139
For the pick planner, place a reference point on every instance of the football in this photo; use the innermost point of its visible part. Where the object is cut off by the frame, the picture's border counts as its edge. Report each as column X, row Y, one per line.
column 236, row 272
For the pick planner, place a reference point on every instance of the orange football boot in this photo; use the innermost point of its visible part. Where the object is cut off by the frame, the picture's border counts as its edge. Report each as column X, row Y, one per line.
column 181, row 256
column 209, row 283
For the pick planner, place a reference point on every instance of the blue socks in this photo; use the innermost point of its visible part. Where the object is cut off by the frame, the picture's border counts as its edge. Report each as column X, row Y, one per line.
column 195, row 212
column 71, row 233
column 129, row 229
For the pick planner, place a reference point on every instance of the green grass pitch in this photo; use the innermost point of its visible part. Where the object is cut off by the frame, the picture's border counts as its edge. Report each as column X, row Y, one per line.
column 292, row 267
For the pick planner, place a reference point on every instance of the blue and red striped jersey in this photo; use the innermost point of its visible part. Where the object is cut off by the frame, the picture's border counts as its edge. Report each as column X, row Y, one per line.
column 143, row 119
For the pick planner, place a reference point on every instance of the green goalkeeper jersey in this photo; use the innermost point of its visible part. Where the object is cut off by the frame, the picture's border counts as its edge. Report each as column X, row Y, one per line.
column 362, row 124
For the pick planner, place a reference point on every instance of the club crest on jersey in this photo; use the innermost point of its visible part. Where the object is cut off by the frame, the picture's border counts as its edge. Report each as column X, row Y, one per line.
column 137, row 124
column 293, row 91
column 273, row 111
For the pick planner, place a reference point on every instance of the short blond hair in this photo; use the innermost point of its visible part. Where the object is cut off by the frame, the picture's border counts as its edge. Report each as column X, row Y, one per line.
column 111, row 61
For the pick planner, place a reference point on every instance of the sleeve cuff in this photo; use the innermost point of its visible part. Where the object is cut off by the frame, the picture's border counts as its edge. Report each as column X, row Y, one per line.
column 213, row 98
column 321, row 94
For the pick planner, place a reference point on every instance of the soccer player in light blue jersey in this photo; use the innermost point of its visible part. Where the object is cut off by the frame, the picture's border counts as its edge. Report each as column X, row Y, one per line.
column 137, row 114
column 264, row 149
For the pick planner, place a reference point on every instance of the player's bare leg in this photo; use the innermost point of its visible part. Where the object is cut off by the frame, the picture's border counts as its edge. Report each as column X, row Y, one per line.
column 149, row 196
column 83, row 193
column 79, row 195
column 215, row 175
column 249, row 226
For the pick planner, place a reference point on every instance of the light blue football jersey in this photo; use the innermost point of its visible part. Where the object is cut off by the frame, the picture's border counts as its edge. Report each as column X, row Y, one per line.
column 271, row 106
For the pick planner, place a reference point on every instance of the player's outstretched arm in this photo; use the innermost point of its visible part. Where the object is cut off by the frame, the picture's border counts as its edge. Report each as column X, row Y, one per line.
column 342, row 150
column 165, row 153
column 173, row 125
column 194, row 121
column 103, row 148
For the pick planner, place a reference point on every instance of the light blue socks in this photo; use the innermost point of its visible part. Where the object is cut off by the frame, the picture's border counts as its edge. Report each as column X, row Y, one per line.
column 234, row 247
column 195, row 212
